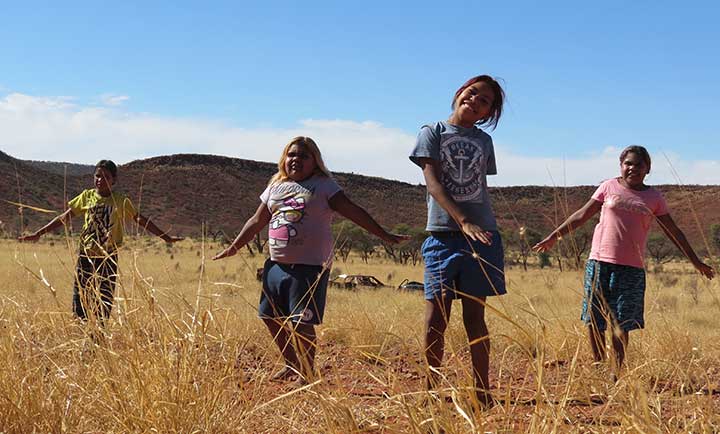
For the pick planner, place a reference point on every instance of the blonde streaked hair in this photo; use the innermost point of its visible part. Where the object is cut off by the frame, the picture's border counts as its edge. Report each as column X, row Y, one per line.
column 312, row 148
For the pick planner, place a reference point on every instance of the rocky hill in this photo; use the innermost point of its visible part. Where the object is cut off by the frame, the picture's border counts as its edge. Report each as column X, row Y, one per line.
column 187, row 192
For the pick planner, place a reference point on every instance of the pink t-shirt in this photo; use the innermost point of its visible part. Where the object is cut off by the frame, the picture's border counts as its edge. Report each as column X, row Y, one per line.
column 299, row 231
column 625, row 220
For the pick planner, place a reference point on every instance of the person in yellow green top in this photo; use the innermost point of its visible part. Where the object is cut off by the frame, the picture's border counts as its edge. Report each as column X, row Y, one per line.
column 106, row 213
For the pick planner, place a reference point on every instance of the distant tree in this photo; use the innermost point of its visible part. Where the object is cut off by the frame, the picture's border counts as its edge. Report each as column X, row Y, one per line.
column 544, row 259
column 411, row 250
column 350, row 237
column 343, row 239
column 660, row 248
column 257, row 243
column 392, row 251
column 575, row 245
column 715, row 235
column 363, row 243
column 521, row 242
column 508, row 244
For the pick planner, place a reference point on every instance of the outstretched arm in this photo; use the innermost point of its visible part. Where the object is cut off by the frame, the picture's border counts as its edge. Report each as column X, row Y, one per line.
column 667, row 224
column 348, row 209
column 146, row 223
column 431, row 173
column 254, row 225
column 577, row 219
column 55, row 223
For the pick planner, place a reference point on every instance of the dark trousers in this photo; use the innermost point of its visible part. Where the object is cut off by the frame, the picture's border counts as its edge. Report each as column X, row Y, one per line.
column 94, row 286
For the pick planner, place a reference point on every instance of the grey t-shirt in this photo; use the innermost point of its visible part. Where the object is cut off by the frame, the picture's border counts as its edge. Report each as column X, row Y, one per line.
column 466, row 157
column 299, row 231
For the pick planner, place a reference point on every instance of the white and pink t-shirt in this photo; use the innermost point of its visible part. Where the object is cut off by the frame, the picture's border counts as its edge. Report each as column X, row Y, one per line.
column 300, row 227
column 625, row 220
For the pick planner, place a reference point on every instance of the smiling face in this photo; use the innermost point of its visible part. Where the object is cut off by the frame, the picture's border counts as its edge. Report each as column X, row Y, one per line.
column 633, row 170
column 299, row 163
column 473, row 104
column 103, row 182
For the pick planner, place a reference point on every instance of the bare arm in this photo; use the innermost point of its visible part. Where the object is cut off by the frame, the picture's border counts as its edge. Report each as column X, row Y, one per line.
column 55, row 223
column 146, row 223
column 577, row 219
column 254, row 225
column 431, row 172
column 341, row 204
column 667, row 224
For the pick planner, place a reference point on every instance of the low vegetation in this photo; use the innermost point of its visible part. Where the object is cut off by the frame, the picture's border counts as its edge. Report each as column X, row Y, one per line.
column 184, row 352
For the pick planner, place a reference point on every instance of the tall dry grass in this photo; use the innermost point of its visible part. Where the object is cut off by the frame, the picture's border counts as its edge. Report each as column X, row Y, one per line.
column 184, row 352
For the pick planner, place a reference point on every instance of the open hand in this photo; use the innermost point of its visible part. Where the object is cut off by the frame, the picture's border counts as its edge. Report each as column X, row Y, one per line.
column 395, row 238
column 476, row 233
column 545, row 245
column 230, row 251
column 705, row 270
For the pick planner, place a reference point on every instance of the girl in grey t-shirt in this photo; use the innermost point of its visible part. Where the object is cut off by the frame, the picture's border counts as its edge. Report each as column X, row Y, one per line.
column 463, row 254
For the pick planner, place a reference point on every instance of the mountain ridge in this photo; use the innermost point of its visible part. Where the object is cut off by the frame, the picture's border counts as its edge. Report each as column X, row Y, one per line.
column 186, row 192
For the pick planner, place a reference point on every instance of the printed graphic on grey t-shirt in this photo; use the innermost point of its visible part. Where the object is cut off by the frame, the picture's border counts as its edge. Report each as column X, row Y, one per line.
column 463, row 165
column 288, row 210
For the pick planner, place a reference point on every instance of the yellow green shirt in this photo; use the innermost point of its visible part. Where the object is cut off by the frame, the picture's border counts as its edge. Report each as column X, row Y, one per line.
column 105, row 219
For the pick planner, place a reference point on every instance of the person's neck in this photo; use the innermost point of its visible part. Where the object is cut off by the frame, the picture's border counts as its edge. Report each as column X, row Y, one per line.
column 638, row 187
column 454, row 119
column 103, row 193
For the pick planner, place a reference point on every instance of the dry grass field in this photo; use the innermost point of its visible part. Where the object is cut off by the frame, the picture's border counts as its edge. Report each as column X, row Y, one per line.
column 185, row 353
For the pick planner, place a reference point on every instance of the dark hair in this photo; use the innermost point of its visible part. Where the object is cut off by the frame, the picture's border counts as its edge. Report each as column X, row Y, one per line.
column 640, row 151
column 107, row 165
column 497, row 105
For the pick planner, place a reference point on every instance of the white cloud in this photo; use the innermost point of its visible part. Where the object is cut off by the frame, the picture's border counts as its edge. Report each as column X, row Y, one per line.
column 112, row 100
column 591, row 169
column 58, row 129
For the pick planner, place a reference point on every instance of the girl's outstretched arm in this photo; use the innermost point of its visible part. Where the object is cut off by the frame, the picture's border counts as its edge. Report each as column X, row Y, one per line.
column 577, row 219
column 146, row 223
column 55, row 223
column 431, row 171
column 254, row 225
column 345, row 207
column 678, row 238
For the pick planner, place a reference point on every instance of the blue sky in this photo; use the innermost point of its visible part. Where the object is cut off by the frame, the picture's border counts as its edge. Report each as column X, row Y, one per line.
column 80, row 81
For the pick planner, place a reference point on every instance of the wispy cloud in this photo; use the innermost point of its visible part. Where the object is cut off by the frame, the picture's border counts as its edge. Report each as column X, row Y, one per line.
column 59, row 128
column 113, row 100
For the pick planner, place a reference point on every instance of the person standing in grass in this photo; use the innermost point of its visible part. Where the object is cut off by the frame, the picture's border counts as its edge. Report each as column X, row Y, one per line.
column 297, row 206
column 463, row 254
column 614, row 284
column 106, row 212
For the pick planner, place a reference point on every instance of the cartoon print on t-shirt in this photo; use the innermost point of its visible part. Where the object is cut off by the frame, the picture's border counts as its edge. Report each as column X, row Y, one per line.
column 281, row 225
column 97, row 231
column 463, row 164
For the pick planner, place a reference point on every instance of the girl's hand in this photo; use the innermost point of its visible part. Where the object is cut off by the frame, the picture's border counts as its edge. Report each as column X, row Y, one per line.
column 395, row 238
column 230, row 251
column 29, row 238
column 545, row 245
column 705, row 270
column 477, row 233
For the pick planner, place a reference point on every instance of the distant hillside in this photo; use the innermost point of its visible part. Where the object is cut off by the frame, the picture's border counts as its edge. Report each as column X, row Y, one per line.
column 61, row 168
column 185, row 191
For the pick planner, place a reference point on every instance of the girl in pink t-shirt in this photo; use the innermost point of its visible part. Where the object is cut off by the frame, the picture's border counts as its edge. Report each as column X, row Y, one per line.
column 297, row 207
column 615, row 275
